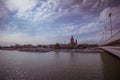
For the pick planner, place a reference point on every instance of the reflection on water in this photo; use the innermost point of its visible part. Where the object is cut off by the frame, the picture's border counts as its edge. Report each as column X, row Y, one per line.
column 16, row 65
column 111, row 66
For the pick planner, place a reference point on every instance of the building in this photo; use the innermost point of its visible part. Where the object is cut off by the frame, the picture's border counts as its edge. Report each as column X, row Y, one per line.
column 73, row 43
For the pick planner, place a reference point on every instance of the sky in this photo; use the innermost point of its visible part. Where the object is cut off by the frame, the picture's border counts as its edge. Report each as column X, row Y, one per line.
column 54, row 21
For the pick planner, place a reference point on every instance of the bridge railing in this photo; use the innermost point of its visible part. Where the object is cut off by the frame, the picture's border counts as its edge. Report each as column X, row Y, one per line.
column 113, row 38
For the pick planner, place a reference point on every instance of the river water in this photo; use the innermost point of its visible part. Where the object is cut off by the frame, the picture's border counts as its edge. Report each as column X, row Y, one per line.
column 15, row 65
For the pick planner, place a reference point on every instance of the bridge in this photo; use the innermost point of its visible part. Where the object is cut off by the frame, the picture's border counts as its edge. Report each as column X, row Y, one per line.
column 112, row 44
column 114, row 40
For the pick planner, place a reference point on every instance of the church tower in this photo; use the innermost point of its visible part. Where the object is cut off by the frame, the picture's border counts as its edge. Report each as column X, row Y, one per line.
column 72, row 41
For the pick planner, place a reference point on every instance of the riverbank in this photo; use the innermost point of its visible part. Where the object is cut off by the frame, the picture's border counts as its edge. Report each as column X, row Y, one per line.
column 30, row 49
column 87, row 50
column 35, row 49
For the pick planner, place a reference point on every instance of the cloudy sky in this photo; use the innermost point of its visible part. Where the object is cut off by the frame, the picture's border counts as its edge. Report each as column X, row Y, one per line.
column 51, row 21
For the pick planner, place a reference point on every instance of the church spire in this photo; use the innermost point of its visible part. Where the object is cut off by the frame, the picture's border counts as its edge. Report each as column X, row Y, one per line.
column 72, row 37
column 72, row 41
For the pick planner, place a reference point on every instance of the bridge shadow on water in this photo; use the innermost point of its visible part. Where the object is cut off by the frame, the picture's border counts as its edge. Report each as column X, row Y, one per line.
column 111, row 67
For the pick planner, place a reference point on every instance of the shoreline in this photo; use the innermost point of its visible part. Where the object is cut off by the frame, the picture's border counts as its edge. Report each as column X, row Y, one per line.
column 87, row 50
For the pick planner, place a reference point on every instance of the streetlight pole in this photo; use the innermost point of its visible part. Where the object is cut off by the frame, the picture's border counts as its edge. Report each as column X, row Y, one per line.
column 105, row 33
column 103, row 36
column 110, row 14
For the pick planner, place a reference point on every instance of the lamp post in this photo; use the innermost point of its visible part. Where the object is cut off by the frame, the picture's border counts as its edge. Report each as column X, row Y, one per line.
column 105, row 32
column 110, row 14
column 103, row 36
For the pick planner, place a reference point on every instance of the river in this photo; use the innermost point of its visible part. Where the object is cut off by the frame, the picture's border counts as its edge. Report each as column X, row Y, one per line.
column 15, row 65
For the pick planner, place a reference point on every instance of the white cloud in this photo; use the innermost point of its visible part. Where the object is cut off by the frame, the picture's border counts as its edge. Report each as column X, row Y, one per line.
column 3, row 9
column 90, row 27
column 9, row 36
column 22, row 38
column 14, row 38
column 96, row 39
column 69, row 27
column 47, row 10
column 51, row 9
column 96, row 26
column 115, row 17
column 83, row 30
column 22, row 7
column 80, row 29
column 114, row 10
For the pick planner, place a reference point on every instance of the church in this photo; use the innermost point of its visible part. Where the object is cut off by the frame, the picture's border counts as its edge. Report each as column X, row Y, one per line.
column 73, row 43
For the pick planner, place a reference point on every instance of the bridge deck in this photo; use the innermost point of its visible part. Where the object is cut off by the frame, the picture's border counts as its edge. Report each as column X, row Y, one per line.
column 115, row 39
column 113, row 50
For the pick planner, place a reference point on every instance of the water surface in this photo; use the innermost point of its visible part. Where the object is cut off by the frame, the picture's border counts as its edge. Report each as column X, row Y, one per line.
column 15, row 65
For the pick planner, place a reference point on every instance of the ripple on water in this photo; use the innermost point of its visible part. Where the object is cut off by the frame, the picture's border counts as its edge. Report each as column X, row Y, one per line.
column 54, row 66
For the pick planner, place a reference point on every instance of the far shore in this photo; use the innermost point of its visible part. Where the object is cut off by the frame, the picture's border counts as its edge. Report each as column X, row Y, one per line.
column 86, row 50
